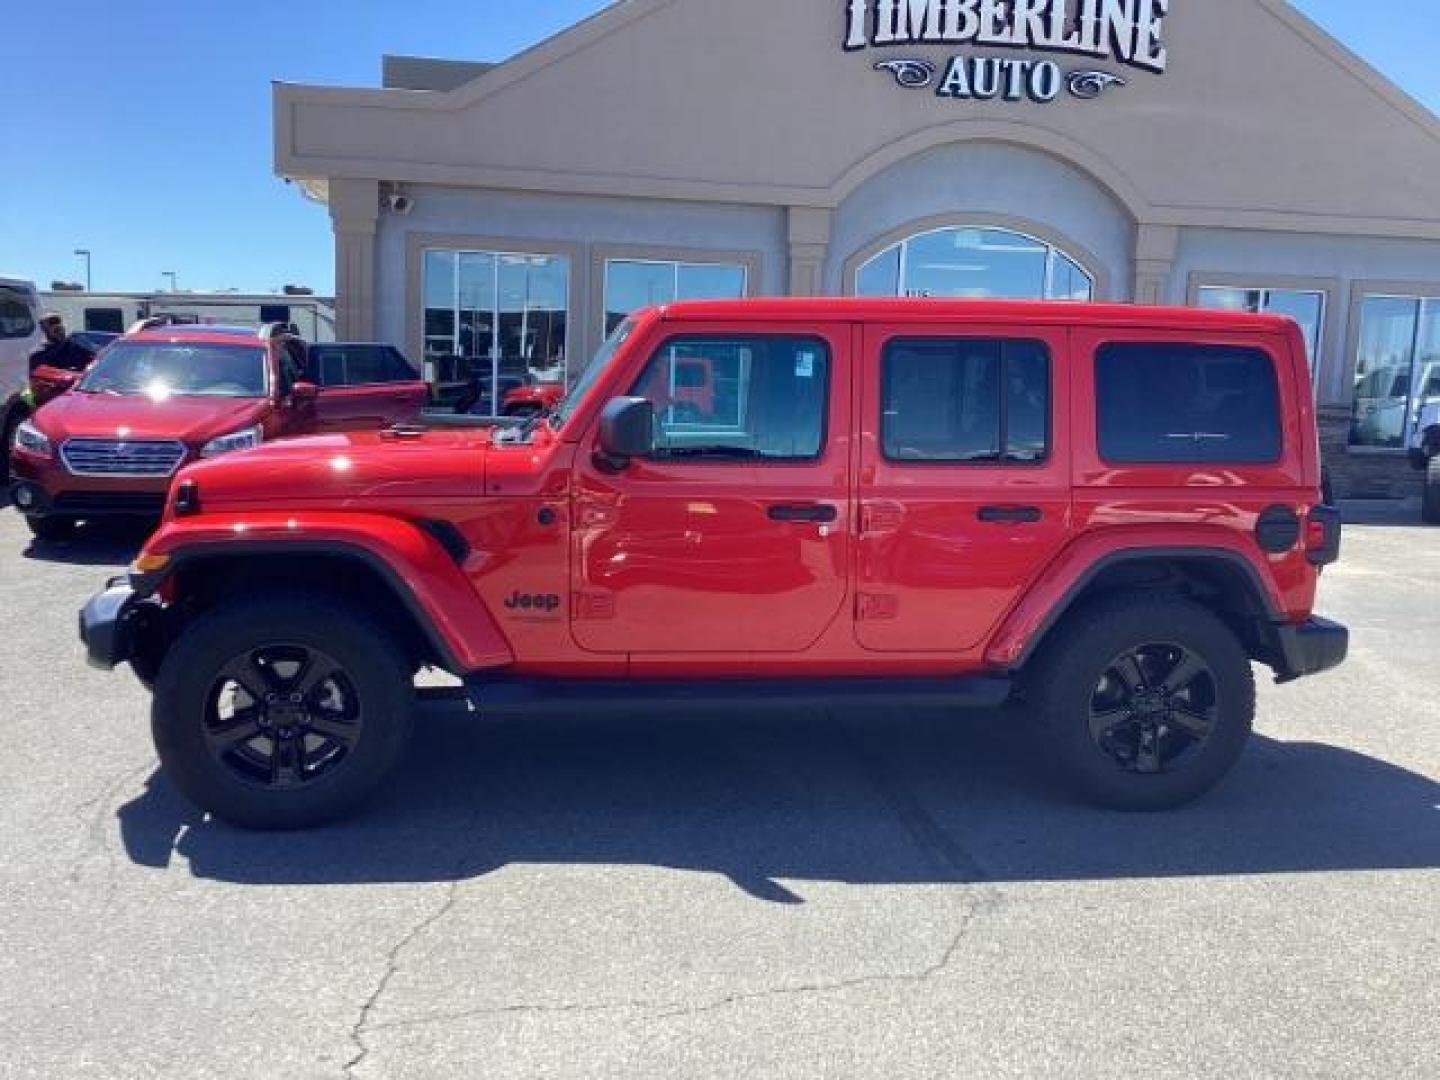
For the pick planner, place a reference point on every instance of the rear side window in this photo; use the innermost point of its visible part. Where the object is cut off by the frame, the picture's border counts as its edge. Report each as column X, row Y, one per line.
column 1171, row 402
column 358, row 365
column 739, row 398
column 16, row 318
column 970, row 400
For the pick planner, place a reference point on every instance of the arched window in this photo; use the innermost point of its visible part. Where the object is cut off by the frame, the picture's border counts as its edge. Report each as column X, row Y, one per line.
column 975, row 263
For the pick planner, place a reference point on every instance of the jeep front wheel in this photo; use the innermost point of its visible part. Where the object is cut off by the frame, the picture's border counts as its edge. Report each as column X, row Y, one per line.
column 1148, row 701
column 1430, row 507
column 281, row 712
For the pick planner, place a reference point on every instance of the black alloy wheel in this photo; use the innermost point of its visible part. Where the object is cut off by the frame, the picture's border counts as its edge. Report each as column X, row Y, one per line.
column 1147, row 699
column 283, row 716
column 282, row 709
column 1154, row 709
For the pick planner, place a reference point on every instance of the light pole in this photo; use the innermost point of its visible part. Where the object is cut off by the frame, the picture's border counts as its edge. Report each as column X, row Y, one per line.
column 171, row 275
column 84, row 253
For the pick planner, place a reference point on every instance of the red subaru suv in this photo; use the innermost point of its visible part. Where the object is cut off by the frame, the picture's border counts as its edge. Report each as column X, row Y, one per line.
column 163, row 397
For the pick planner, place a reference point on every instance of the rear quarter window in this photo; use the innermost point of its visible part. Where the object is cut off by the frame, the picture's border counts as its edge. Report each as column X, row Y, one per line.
column 1169, row 402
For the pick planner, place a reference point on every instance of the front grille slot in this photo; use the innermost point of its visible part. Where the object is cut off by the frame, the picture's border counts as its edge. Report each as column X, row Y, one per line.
column 120, row 457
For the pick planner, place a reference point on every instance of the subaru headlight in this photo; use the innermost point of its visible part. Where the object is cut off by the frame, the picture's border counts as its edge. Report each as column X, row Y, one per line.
column 236, row 440
column 32, row 440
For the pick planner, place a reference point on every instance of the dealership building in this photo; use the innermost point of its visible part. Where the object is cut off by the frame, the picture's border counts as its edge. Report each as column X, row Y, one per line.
column 498, row 219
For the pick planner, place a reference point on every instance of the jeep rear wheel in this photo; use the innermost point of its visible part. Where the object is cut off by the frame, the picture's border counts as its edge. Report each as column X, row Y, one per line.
column 281, row 712
column 1148, row 701
column 1430, row 508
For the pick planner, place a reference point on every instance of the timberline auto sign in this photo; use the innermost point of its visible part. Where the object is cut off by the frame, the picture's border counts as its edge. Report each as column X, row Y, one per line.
column 1123, row 31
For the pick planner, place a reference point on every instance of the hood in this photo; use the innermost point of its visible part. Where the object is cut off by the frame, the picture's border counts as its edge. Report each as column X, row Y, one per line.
column 340, row 468
column 193, row 420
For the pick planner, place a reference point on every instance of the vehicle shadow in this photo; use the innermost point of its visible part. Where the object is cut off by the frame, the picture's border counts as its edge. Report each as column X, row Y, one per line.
column 99, row 543
column 761, row 801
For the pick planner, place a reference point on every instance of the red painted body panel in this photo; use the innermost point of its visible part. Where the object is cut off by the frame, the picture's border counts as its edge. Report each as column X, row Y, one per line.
column 367, row 408
column 932, row 575
column 416, row 558
column 681, row 557
column 674, row 569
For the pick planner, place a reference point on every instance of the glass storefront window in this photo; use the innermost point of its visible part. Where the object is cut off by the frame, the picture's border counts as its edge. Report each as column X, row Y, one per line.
column 494, row 321
column 632, row 284
column 1398, row 369
column 974, row 264
column 1305, row 306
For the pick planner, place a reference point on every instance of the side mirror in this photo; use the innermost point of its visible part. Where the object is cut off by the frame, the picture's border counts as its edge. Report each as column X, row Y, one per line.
column 304, row 393
column 627, row 430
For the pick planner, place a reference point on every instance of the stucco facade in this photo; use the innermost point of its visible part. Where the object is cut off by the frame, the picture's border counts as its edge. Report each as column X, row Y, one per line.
column 1201, row 151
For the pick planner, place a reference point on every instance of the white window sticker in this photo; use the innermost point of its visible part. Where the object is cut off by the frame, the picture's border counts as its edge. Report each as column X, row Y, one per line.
column 805, row 364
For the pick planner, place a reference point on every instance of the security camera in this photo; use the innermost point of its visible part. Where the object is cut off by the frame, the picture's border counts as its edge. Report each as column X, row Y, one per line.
column 400, row 204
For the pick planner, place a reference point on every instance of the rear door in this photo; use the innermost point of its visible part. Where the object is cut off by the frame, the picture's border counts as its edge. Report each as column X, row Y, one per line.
column 364, row 387
column 734, row 536
column 964, row 479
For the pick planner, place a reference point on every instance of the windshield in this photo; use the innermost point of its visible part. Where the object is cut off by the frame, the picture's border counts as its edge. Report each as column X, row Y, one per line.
column 591, row 375
column 166, row 369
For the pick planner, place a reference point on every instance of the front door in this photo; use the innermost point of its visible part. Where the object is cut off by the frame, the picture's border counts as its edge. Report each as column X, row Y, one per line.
column 733, row 536
column 964, row 479
column 364, row 387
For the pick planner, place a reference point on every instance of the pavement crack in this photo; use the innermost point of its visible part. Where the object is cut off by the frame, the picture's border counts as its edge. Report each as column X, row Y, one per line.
column 92, row 814
column 361, row 1027
column 664, row 1010
column 931, row 971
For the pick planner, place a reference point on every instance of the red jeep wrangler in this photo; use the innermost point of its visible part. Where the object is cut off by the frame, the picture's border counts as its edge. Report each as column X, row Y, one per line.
column 166, row 395
column 1109, row 510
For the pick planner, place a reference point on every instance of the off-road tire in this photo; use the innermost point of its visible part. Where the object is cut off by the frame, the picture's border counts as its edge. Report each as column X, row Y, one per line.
column 1430, row 504
column 372, row 662
column 52, row 529
column 1065, row 677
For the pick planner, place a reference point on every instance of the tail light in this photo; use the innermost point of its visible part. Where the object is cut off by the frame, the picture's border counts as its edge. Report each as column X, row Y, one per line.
column 1322, row 536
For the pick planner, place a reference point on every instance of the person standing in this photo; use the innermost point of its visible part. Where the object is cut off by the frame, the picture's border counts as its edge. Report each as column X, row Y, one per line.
column 60, row 350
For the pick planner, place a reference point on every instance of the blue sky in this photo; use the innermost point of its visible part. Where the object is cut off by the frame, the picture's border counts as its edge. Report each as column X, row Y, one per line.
column 149, row 126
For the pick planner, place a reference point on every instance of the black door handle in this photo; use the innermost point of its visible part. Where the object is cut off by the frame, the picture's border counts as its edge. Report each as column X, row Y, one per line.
column 816, row 512
column 1010, row 515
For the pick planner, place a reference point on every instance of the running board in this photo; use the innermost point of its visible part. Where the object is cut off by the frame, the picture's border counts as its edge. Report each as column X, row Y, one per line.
column 546, row 697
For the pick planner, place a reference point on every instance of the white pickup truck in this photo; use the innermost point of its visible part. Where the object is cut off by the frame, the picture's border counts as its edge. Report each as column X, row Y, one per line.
column 1424, row 447
column 19, row 337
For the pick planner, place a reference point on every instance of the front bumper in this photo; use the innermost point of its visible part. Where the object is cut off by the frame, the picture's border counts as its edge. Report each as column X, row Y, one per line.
column 1311, row 647
column 45, row 488
column 109, row 625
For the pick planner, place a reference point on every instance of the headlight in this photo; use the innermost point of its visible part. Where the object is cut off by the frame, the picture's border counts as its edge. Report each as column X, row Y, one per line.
column 237, row 440
column 29, row 438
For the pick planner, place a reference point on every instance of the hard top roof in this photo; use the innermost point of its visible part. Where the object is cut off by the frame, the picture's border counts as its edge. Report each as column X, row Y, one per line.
column 1052, row 312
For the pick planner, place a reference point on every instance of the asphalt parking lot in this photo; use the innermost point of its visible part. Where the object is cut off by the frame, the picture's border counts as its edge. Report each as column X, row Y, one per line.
column 799, row 896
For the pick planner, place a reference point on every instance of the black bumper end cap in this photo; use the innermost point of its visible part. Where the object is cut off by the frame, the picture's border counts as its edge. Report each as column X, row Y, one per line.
column 105, row 626
column 1310, row 648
